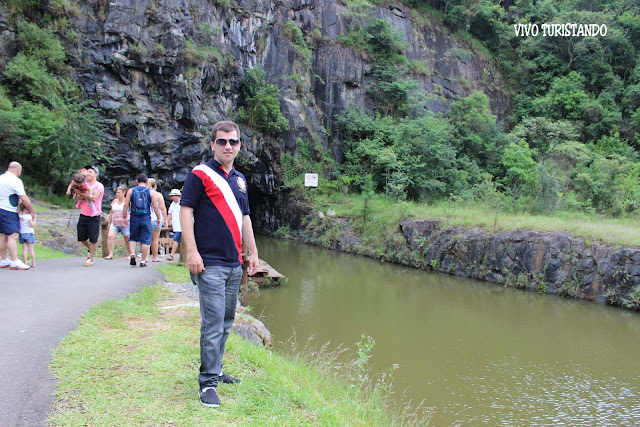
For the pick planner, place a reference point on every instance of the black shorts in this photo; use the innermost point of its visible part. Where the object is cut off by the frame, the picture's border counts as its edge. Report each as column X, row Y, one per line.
column 88, row 228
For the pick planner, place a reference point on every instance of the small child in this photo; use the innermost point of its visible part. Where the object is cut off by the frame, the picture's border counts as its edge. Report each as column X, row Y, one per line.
column 79, row 182
column 82, row 171
column 27, row 233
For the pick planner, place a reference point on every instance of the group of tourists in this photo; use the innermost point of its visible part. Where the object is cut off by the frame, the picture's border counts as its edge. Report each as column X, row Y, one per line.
column 137, row 213
column 211, row 215
column 119, row 223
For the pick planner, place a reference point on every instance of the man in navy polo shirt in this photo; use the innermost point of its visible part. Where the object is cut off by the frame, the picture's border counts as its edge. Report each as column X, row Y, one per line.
column 214, row 216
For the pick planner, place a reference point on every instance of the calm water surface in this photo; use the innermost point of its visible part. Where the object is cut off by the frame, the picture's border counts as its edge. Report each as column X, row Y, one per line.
column 479, row 354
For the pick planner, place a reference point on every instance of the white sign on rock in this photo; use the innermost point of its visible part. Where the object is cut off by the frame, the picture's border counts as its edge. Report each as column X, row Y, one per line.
column 311, row 180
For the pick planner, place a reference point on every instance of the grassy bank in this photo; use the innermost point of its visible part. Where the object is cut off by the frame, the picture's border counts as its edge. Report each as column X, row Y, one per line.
column 135, row 361
column 383, row 216
column 40, row 193
column 174, row 273
column 42, row 253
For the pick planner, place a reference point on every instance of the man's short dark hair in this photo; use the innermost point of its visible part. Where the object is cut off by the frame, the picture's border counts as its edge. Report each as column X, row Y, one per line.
column 142, row 178
column 224, row 126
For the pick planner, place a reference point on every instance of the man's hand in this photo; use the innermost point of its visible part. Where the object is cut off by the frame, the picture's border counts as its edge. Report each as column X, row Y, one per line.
column 253, row 264
column 194, row 262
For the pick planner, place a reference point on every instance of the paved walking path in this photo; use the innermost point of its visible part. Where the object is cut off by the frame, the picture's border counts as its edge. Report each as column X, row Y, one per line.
column 38, row 308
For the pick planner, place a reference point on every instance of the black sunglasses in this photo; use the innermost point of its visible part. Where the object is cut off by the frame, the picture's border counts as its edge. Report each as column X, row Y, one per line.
column 222, row 142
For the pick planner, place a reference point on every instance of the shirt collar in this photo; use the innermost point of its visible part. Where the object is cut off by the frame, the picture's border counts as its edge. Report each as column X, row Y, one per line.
column 218, row 166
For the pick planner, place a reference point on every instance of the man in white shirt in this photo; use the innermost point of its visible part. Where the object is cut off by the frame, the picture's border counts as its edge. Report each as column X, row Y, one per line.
column 12, row 191
column 174, row 218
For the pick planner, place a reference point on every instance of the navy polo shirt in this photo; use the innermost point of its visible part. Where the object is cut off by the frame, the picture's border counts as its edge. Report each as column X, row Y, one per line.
column 218, row 211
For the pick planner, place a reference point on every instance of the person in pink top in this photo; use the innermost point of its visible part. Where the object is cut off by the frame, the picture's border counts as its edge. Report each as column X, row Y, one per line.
column 118, row 222
column 79, row 182
column 89, row 221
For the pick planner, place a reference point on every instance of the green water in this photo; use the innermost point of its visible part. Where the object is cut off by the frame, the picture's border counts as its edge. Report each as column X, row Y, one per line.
column 477, row 353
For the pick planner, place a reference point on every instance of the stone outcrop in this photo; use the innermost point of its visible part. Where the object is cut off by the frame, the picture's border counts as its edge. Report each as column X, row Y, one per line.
column 251, row 328
column 546, row 262
column 245, row 325
column 550, row 262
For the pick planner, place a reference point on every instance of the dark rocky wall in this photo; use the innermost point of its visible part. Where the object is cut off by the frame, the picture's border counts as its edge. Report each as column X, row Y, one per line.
column 135, row 59
column 546, row 262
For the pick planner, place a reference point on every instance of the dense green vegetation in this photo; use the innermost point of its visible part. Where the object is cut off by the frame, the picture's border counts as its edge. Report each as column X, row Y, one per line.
column 135, row 362
column 262, row 111
column 571, row 142
column 45, row 121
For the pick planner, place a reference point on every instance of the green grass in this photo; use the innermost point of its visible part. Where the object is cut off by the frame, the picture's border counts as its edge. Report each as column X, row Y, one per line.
column 38, row 207
column 39, row 192
column 384, row 215
column 174, row 273
column 42, row 253
column 133, row 363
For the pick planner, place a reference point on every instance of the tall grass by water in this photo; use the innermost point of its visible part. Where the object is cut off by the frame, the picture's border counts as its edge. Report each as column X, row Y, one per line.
column 384, row 214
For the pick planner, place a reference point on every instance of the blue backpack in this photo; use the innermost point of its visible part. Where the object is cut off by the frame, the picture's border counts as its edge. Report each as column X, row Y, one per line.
column 140, row 201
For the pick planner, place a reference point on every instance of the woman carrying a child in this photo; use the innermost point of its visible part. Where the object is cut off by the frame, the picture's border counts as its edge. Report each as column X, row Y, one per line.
column 118, row 223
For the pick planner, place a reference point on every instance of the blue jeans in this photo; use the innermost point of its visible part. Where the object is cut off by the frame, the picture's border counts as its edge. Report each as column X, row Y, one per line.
column 218, row 287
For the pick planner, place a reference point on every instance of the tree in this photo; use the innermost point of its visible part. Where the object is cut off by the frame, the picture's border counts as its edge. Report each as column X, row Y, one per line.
column 52, row 142
column 543, row 134
column 521, row 177
column 475, row 132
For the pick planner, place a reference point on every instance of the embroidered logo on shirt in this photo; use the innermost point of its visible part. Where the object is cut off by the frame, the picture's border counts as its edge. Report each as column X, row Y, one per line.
column 242, row 186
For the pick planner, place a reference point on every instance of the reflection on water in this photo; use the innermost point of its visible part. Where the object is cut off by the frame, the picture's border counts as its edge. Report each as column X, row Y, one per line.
column 306, row 299
column 479, row 353
column 513, row 393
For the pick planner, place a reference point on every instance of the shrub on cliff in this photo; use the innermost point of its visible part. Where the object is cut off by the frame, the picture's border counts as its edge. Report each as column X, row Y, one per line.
column 262, row 104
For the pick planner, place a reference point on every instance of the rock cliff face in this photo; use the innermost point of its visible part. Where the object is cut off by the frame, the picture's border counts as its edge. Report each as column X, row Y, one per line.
column 163, row 71
column 546, row 262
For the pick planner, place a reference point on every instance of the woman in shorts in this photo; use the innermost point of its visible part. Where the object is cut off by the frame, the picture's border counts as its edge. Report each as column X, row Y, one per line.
column 118, row 223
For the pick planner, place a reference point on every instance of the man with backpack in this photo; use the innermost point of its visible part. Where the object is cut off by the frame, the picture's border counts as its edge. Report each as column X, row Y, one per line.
column 138, row 200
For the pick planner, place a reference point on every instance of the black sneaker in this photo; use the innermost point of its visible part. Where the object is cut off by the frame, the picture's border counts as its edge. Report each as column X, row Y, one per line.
column 228, row 379
column 133, row 260
column 209, row 397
